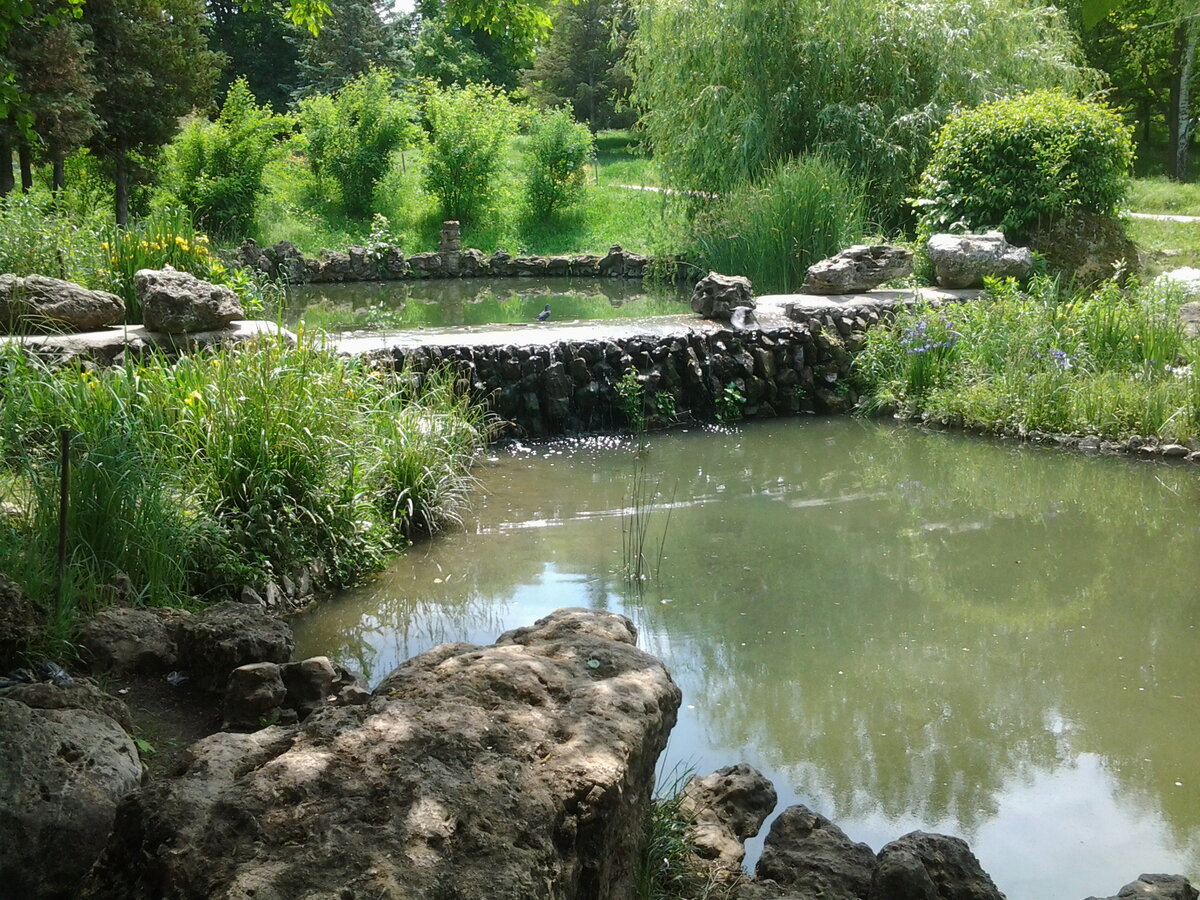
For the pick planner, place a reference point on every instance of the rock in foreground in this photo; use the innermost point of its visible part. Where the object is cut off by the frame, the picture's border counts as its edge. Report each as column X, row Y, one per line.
column 180, row 303
column 38, row 303
column 716, row 296
column 964, row 260
column 858, row 268
column 517, row 770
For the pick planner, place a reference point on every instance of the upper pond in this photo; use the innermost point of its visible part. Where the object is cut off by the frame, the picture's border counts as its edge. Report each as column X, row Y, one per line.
column 901, row 629
column 400, row 305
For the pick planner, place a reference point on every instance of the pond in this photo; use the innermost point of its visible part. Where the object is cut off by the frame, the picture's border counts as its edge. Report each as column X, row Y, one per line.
column 901, row 629
column 403, row 305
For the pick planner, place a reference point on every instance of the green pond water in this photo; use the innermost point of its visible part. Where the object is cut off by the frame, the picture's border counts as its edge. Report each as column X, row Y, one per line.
column 403, row 305
column 901, row 629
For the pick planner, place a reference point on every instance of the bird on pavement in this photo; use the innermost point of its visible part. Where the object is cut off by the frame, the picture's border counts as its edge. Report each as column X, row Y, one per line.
column 544, row 314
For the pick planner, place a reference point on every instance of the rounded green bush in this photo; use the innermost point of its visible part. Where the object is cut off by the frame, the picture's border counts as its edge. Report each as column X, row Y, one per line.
column 1024, row 162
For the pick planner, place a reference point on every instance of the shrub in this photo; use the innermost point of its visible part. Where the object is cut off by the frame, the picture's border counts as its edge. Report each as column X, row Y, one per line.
column 352, row 134
column 559, row 150
column 469, row 128
column 800, row 212
column 215, row 169
column 1024, row 162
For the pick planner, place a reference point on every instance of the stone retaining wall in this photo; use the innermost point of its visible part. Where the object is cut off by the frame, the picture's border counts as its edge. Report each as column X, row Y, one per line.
column 561, row 379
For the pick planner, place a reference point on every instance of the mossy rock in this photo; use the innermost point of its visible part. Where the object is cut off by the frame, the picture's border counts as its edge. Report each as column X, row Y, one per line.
column 1089, row 248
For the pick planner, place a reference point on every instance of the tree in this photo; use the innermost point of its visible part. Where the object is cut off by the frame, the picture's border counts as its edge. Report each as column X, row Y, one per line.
column 1178, row 23
column 257, row 46
column 351, row 41
column 581, row 62
column 730, row 86
column 153, row 66
column 456, row 54
column 53, row 114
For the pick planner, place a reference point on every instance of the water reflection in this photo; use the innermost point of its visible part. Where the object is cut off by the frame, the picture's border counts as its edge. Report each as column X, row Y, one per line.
column 902, row 629
column 398, row 305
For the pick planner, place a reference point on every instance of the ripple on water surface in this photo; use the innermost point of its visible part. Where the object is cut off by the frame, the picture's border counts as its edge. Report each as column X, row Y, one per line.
column 903, row 630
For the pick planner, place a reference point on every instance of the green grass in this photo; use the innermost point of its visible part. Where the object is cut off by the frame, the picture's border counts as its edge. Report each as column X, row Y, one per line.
column 1107, row 363
column 1166, row 245
column 223, row 469
column 1160, row 194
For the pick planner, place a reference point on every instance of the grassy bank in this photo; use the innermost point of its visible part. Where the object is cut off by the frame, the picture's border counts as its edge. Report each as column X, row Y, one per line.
column 221, row 470
column 1108, row 363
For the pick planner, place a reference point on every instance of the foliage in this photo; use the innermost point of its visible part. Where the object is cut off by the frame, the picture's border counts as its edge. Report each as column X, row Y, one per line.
column 352, row 134
column 581, row 62
column 215, row 168
column 468, row 128
column 631, row 400
column 801, row 211
column 450, row 52
column 225, row 469
column 1024, row 162
column 255, row 44
column 151, row 76
column 730, row 403
column 1105, row 363
column 725, row 97
column 349, row 45
column 559, row 149
column 35, row 239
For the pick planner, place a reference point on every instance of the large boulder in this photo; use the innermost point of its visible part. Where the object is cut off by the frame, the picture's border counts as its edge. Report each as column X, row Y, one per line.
column 809, row 856
column 858, row 268
column 125, row 640
column 716, row 296
column 964, row 260
column 38, row 303
column 228, row 635
column 1090, row 248
column 725, row 808
column 180, row 303
column 517, row 770
column 921, row 866
column 63, row 771
column 1157, row 887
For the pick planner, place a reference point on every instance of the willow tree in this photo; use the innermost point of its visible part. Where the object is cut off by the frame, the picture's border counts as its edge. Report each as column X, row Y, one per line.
column 728, row 87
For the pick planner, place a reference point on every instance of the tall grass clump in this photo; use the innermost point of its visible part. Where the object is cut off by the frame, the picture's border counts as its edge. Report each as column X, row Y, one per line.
column 668, row 868
column 771, row 231
column 1107, row 363
column 38, row 238
column 225, row 469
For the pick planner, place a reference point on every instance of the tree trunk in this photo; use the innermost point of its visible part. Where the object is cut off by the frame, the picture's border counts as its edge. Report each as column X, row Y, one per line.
column 122, row 190
column 1173, row 101
column 60, row 172
column 6, row 168
column 25, row 159
column 1183, row 116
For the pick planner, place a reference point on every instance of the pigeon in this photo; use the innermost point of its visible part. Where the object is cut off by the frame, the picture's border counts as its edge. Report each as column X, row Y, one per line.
column 544, row 314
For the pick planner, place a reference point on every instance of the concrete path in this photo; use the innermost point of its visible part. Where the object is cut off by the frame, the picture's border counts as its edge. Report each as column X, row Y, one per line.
column 1157, row 217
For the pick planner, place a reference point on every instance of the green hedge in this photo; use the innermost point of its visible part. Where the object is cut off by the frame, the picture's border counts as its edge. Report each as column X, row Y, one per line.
column 1023, row 162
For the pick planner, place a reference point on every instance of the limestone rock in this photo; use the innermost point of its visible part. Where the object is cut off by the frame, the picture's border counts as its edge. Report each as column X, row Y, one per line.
column 921, row 866
column 962, row 260
column 806, row 853
column 512, row 771
column 253, row 696
column 1157, row 887
column 20, row 621
column 180, row 303
column 1091, row 248
column 715, row 296
column 725, row 808
column 451, row 236
column 62, row 773
column 125, row 640
column 309, row 683
column 38, row 303
column 858, row 268
column 81, row 694
column 228, row 635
